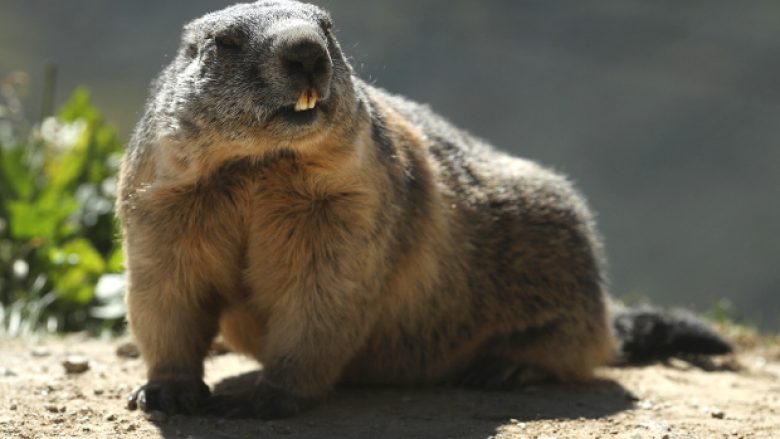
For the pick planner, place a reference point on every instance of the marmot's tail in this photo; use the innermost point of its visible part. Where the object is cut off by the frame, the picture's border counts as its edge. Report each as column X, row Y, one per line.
column 646, row 334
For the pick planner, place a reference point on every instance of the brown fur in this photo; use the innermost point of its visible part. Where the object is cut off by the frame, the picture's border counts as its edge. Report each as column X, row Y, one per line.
column 370, row 252
column 292, row 257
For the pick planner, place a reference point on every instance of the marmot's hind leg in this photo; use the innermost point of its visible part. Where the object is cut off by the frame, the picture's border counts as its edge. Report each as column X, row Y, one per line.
column 556, row 352
column 500, row 373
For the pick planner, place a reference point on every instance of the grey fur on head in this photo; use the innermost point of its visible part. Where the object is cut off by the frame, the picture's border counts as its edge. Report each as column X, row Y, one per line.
column 229, row 78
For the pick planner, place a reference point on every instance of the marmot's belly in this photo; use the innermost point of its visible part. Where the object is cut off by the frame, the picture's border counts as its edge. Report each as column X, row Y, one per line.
column 433, row 354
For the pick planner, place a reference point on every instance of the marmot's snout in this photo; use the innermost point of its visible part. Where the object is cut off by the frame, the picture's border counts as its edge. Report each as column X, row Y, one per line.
column 306, row 66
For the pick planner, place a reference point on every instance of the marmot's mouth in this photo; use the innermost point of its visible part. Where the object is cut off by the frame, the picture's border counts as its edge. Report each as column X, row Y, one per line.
column 304, row 111
column 293, row 115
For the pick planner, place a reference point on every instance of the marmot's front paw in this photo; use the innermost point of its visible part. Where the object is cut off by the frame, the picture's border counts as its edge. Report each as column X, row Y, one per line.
column 185, row 397
column 262, row 401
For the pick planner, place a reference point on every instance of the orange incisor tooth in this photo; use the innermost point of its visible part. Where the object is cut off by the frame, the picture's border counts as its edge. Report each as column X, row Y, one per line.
column 303, row 101
column 312, row 98
column 306, row 100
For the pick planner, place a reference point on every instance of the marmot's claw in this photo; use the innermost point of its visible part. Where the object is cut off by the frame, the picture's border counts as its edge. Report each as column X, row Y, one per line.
column 172, row 397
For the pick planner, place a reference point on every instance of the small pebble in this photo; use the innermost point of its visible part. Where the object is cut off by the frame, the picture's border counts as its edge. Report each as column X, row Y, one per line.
column 40, row 352
column 76, row 364
column 517, row 423
column 128, row 350
column 717, row 414
column 645, row 405
column 110, row 417
column 7, row 372
column 12, row 407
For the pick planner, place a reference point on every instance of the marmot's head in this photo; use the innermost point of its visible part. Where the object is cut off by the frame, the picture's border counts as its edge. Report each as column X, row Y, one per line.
column 270, row 69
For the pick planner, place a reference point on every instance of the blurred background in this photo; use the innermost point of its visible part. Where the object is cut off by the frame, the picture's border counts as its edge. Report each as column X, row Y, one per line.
column 665, row 113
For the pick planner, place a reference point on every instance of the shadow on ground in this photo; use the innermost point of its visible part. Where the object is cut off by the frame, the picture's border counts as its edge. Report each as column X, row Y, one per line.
column 406, row 413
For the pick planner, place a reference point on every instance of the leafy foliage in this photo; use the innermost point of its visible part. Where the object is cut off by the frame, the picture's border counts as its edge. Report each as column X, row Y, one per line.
column 57, row 234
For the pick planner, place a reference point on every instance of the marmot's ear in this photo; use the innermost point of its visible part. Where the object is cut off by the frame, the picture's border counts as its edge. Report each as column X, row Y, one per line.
column 324, row 20
column 189, row 30
column 190, row 35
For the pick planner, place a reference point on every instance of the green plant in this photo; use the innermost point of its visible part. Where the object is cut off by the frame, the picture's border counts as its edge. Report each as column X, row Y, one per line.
column 57, row 234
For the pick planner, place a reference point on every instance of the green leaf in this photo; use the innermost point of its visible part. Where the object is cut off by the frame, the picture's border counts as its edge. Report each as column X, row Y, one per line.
column 76, row 268
column 63, row 168
column 16, row 180
column 40, row 219
column 79, row 107
column 116, row 260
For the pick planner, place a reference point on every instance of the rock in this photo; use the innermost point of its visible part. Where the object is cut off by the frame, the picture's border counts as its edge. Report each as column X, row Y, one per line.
column 52, row 408
column 76, row 364
column 517, row 423
column 717, row 414
column 7, row 372
column 110, row 417
column 656, row 426
column 128, row 350
column 645, row 405
column 40, row 352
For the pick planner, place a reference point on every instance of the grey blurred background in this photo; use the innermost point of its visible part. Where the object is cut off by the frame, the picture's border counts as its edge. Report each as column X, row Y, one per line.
column 666, row 113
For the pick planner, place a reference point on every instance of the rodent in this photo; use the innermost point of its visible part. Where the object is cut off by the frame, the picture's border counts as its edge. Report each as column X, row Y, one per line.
column 340, row 234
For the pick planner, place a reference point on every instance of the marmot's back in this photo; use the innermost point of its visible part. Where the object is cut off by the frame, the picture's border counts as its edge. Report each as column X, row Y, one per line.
column 518, row 267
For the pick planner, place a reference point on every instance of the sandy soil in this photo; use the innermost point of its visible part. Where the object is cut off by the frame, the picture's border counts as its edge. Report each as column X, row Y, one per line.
column 739, row 397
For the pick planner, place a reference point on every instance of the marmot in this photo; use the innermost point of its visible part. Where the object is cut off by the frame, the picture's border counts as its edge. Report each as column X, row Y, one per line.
column 341, row 234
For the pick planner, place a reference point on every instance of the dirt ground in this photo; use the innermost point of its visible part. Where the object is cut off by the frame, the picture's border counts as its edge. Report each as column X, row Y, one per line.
column 738, row 397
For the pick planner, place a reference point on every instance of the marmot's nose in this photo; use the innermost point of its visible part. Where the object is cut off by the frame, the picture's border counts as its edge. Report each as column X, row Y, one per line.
column 307, row 64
